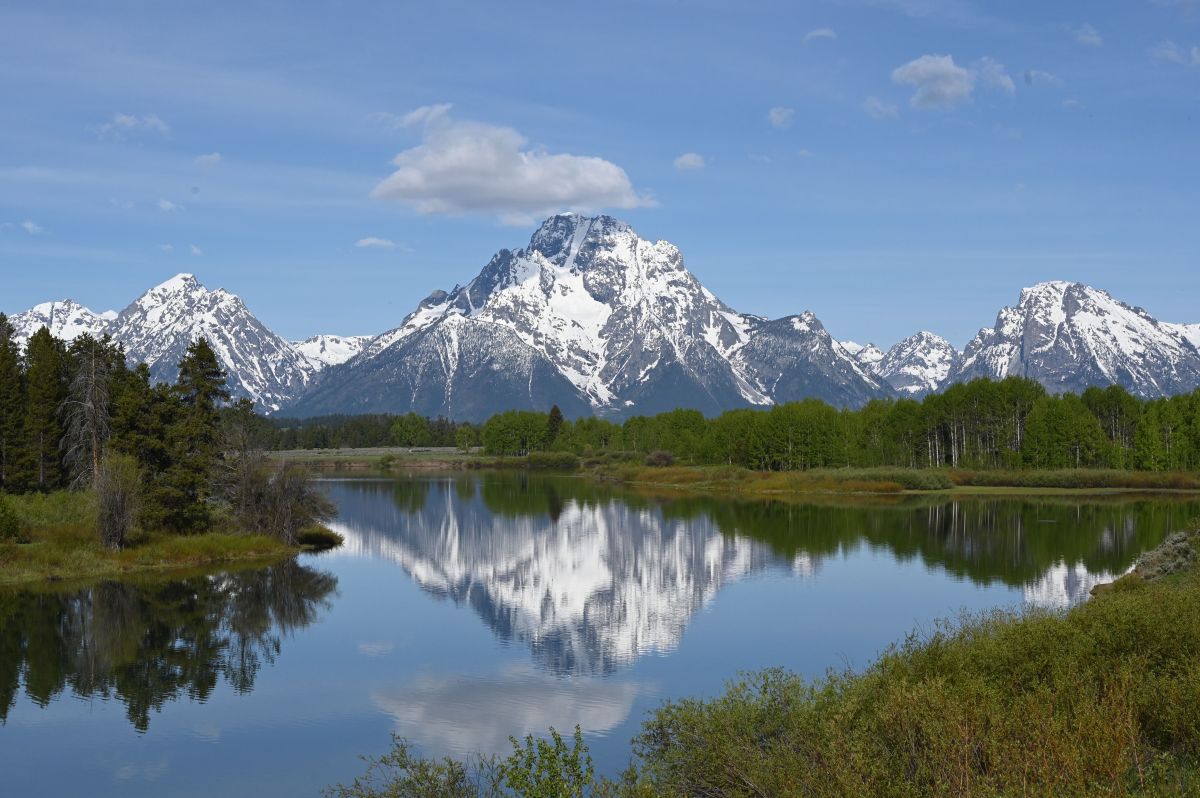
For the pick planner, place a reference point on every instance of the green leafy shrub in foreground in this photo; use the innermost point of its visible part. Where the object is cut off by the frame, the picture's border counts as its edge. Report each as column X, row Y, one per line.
column 10, row 525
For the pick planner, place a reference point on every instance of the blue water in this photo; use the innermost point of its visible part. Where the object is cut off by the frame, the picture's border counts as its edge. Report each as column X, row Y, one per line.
column 464, row 609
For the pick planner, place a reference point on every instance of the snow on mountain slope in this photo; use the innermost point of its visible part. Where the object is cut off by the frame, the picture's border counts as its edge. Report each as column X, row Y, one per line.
column 866, row 355
column 66, row 320
column 1070, row 336
column 918, row 365
column 330, row 350
column 616, row 316
column 1190, row 332
column 160, row 325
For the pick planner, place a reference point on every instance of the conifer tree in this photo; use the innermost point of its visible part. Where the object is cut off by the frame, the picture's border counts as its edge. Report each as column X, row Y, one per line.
column 46, row 390
column 87, row 409
column 12, row 406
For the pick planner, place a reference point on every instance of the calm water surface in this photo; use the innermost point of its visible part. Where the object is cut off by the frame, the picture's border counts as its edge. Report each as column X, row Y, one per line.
column 465, row 609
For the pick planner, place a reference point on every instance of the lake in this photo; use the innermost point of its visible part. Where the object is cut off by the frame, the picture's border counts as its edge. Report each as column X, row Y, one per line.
column 468, row 607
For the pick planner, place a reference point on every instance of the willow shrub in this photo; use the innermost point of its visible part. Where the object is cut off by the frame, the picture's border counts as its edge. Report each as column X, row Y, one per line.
column 1102, row 700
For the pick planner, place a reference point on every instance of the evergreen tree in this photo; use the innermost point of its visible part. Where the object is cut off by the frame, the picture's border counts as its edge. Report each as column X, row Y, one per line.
column 46, row 390
column 87, row 409
column 12, row 405
column 553, row 425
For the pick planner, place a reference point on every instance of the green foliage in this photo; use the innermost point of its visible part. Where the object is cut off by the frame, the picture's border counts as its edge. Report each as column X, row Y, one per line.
column 549, row 768
column 12, row 407
column 10, row 525
column 319, row 538
column 552, row 461
column 46, row 390
column 1074, row 704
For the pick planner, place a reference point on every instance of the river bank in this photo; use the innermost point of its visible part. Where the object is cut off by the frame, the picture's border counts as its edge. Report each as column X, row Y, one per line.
column 58, row 543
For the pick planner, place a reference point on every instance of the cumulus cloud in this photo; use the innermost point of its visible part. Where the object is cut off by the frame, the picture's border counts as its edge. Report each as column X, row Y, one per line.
column 167, row 206
column 195, row 250
column 1087, row 35
column 1170, row 51
column 877, row 108
column 208, row 161
column 1033, row 76
column 33, row 228
column 690, row 161
column 121, row 125
column 780, row 117
column 993, row 75
column 819, row 33
column 939, row 82
column 472, row 167
column 371, row 242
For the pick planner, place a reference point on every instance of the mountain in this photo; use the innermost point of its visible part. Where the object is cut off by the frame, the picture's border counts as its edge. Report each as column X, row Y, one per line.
column 594, row 318
column 866, row 355
column 66, row 319
column 160, row 325
column 330, row 350
column 918, row 365
column 1070, row 336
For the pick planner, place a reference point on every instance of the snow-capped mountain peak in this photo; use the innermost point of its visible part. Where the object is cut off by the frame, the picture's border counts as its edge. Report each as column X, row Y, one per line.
column 1070, row 336
column 919, row 364
column 866, row 355
column 322, row 351
column 66, row 320
column 159, row 326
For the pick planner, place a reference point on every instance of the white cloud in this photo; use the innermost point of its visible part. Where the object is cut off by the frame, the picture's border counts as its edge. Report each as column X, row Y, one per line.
column 168, row 206
column 780, row 117
column 1033, row 76
column 1170, row 51
column 208, row 161
column 879, row 109
column 33, row 228
column 940, row 82
column 1086, row 34
column 804, row 153
column 418, row 116
column 819, row 33
column 373, row 242
column 195, row 250
column 167, row 248
column 690, row 161
column 993, row 75
column 1072, row 104
column 472, row 167
column 122, row 124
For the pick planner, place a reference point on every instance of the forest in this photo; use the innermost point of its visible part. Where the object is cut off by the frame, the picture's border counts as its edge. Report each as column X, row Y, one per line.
column 174, row 458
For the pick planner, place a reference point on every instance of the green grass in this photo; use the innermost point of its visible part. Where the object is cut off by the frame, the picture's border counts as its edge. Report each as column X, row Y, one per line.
column 63, row 545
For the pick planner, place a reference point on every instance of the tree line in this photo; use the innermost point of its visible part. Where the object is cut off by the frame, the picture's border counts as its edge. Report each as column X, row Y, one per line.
column 1012, row 423
column 163, row 457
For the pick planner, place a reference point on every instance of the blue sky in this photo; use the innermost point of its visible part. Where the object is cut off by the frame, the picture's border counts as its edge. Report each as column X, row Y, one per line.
column 891, row 165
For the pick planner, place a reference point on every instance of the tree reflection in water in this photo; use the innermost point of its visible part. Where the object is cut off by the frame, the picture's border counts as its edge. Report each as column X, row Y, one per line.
column 146, row 643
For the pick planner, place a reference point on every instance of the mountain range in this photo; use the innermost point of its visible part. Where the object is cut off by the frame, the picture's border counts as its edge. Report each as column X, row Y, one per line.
column 596, row 319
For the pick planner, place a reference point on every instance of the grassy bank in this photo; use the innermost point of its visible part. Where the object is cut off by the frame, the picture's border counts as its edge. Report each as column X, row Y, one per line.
column 735, row 481
column 58, row 541
column 1101, row 700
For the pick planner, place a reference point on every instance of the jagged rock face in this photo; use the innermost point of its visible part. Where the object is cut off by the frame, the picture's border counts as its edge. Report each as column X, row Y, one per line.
column 1069, row 336
column 460, row 368
column 795, row 358
column 66, row 320
column 330, row 350
column 918, row 365
column 160, row 325
column 618, row 318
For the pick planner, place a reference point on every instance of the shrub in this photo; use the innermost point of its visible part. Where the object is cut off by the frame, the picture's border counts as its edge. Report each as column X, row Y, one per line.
column 118, row 490
column 10, row 525
column 660, row 459
column 279, row 501
column 552, row 461
column 319, row 538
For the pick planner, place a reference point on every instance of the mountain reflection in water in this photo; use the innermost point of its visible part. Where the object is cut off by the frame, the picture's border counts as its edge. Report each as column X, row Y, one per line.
column 148, row 642
column 592, row 577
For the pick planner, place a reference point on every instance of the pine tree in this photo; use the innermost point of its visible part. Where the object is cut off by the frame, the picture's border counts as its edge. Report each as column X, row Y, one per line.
column 553, row 425
column 44, row 396
column 88, row 409
column 12, row 405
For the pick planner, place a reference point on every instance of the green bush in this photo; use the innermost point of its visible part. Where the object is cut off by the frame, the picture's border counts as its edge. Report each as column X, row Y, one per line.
column 10, row 525
column 552, row 461
column 319, row 538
